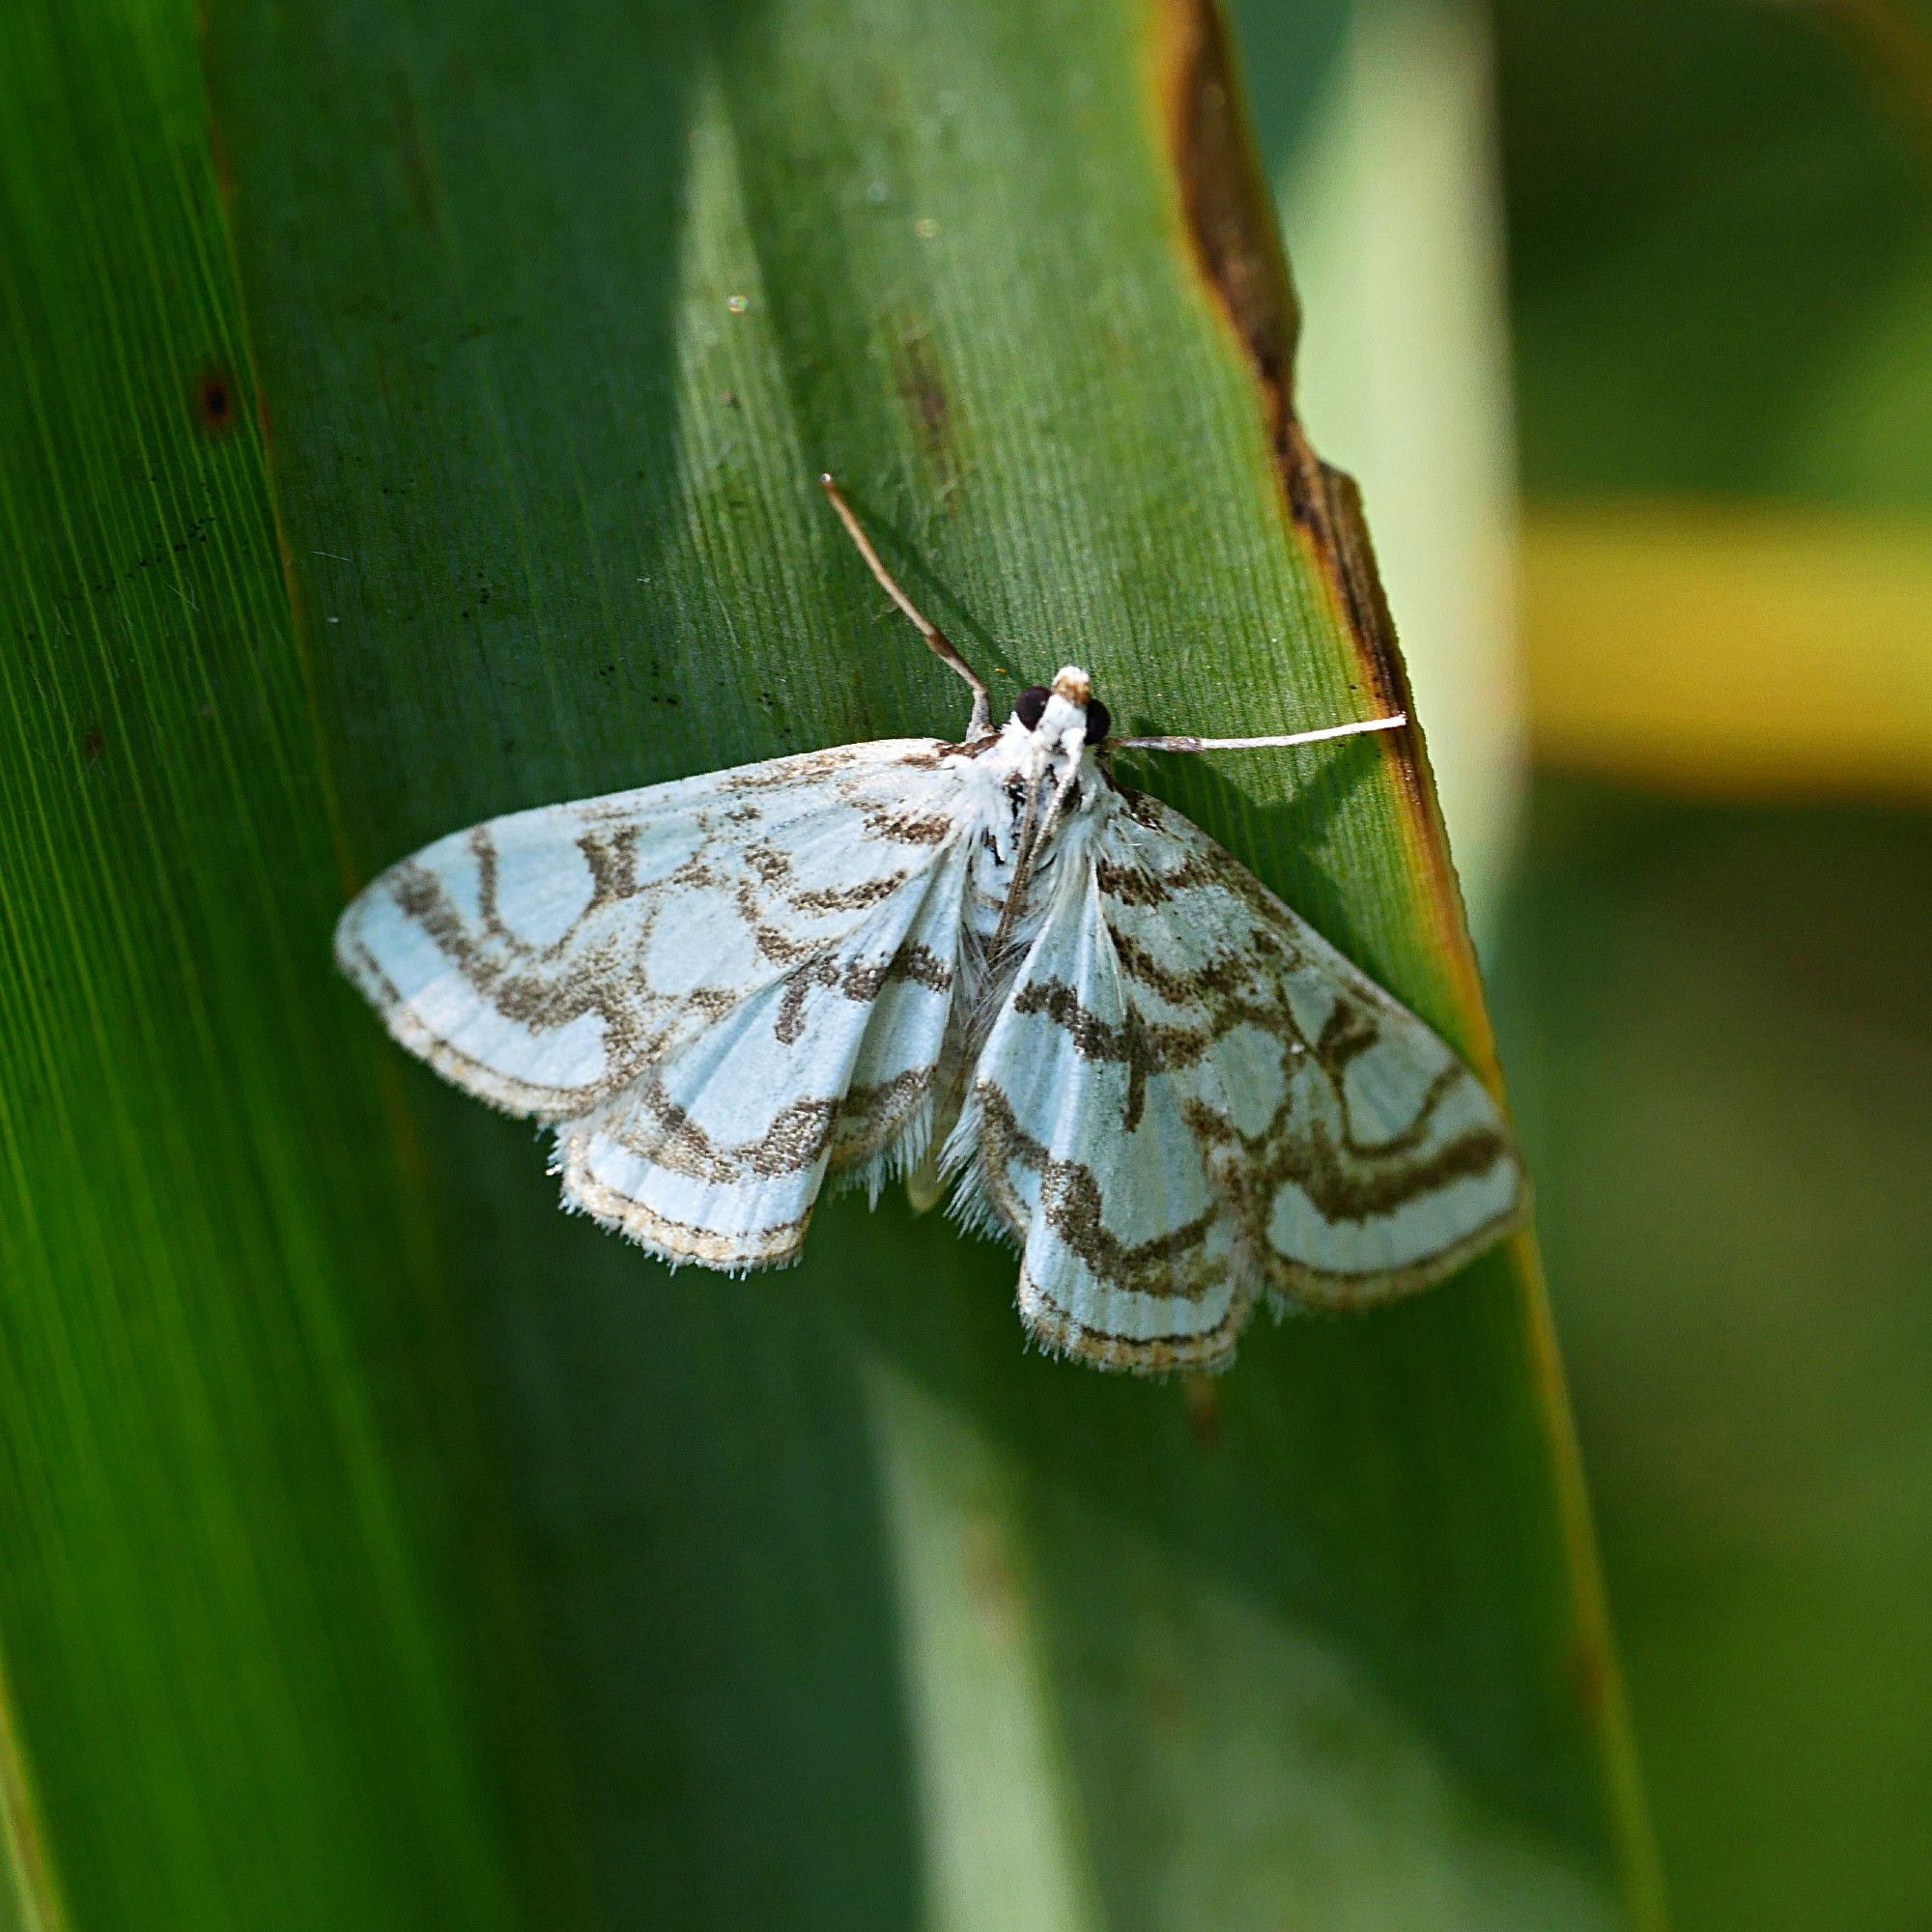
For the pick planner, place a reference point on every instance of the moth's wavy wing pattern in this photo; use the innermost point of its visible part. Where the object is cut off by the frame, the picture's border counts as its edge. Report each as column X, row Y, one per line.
column 718, row 1154
column 701, row 969
column 1190, row 1095
column 1128, row 1254
column 724, row 990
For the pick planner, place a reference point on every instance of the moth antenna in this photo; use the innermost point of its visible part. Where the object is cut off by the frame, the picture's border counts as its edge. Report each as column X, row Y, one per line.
column 980, row 725
column 1186, row 744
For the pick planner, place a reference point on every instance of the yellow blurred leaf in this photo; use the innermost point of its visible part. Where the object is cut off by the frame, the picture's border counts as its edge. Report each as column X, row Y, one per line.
column 1751, row 650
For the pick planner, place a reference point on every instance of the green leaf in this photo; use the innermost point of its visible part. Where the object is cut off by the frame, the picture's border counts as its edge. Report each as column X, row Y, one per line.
column 386, row 1548
column 1782, row 148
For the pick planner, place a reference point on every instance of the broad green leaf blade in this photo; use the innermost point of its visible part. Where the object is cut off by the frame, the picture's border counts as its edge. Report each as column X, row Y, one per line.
column 817, row 238
column 806, row 1601
column 236, row 1448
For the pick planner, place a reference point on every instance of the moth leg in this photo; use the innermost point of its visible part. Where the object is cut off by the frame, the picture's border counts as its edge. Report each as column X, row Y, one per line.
column 980, row 725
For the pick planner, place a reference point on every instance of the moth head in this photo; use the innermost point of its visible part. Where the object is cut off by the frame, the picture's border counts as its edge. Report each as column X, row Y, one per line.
column 1053, row 710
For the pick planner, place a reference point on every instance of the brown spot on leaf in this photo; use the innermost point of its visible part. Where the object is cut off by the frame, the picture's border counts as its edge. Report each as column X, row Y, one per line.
column 923, row 390
column 92, row 742
column 1225, row 200
column 214, row 400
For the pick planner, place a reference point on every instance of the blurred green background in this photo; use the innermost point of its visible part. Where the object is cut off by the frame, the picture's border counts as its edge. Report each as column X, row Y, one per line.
column 1680, row 257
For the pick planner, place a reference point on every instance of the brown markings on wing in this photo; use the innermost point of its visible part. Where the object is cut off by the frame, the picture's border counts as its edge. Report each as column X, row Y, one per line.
column 506, row 971
column 533, row 1002
column 822, row 972
column 771, row 1246
column 872, row 1117
column 1334, row 1170
column 1131, row 884
column 1347, row 1176
column 921, row 754
column 1242, row 988
column 613, row 860
column 868, row 1121
column 1204, row 1350
column 847, row 898
column 1174, row 1266
column 767, row 863
column 1311, row 1138
column 856, row 979
column 1347, row 1033
column 905, row 828
column 661, row 1130
column 542, row 988
column 839, row 1129
column 912, row 960
column 1137, row 1046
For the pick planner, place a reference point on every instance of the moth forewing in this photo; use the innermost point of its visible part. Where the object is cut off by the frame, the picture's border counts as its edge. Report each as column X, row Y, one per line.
column 687, row 981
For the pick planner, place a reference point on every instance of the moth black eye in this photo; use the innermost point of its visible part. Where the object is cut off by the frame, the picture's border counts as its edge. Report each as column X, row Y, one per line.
column 1100, row 721
column 1030, row 703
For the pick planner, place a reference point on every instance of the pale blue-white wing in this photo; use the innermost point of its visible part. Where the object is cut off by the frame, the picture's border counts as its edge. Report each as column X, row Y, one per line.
column 1359, row 1158
column 717, row 1154
column 545, row 959
column 1087, row 1157
column 1189, row 1097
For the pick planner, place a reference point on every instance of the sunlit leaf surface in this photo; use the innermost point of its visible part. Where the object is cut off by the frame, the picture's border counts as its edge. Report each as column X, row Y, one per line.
column 422, row 424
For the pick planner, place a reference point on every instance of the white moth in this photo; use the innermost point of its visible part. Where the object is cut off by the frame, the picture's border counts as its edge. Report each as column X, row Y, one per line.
column 983, row 966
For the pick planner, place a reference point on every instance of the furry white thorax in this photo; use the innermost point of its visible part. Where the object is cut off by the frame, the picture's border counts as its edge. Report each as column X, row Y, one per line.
column 1041, row 767
column 1032, row 784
